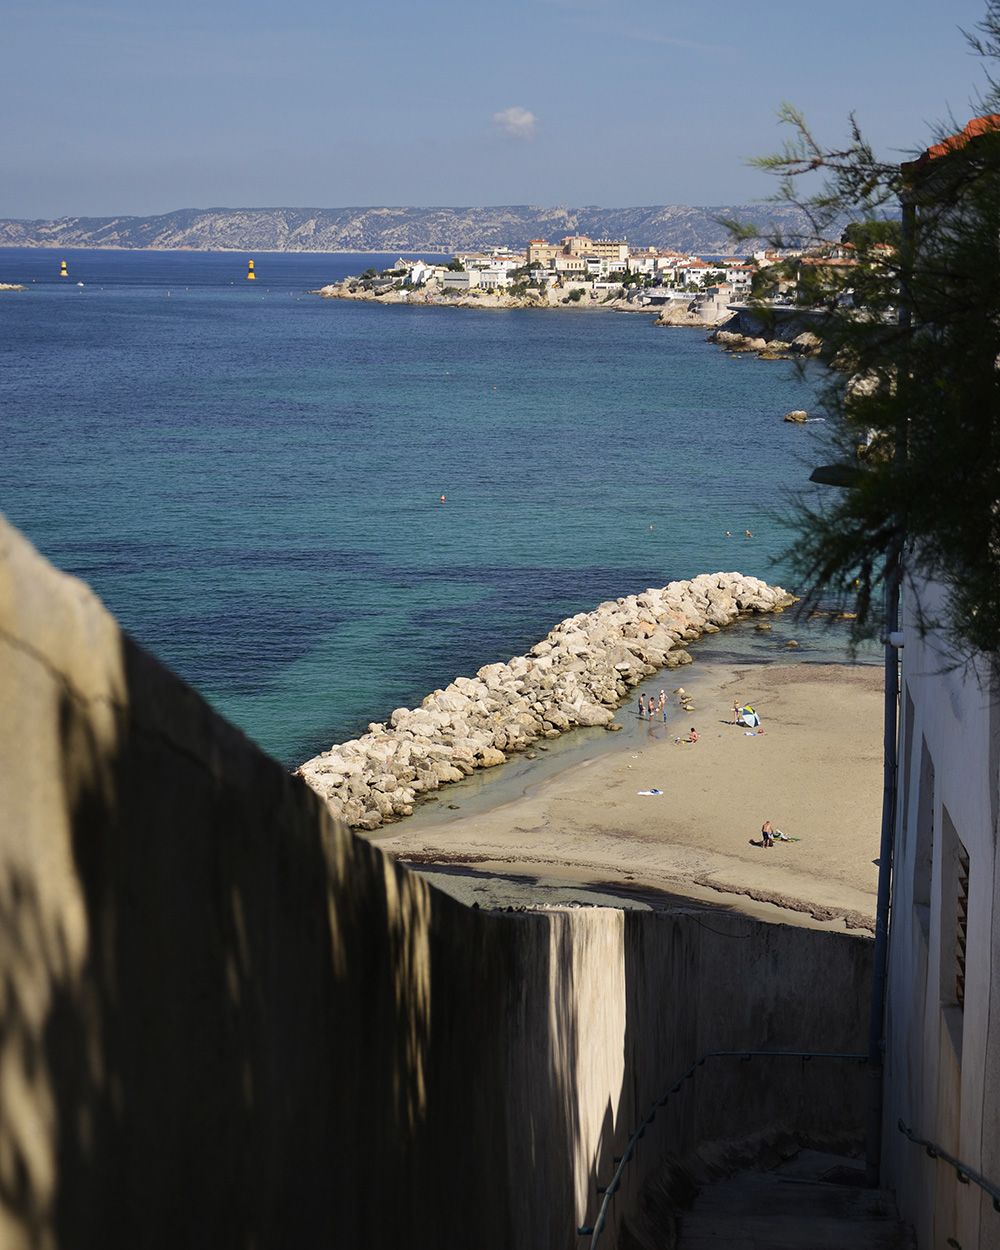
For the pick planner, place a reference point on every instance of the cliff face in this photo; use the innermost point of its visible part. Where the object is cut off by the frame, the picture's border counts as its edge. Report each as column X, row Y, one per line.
column 380, row 229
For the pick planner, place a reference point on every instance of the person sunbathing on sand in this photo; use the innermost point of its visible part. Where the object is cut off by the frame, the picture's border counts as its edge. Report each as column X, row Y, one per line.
column 768, row 836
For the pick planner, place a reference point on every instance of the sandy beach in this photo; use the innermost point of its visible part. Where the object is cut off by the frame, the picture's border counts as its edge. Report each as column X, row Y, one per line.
column 588, row 835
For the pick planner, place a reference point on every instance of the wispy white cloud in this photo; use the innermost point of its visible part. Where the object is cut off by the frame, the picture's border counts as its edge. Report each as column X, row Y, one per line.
column 651, row 36
column 516, row 122
column 607, row 16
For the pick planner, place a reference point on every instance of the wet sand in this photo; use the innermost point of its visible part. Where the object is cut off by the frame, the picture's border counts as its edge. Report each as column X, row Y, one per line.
column 586, row 835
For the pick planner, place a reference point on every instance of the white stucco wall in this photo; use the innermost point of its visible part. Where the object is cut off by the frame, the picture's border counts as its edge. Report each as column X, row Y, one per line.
column 942, row 1060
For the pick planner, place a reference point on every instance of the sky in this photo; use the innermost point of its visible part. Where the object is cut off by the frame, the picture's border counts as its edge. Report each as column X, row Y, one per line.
column 126, row 107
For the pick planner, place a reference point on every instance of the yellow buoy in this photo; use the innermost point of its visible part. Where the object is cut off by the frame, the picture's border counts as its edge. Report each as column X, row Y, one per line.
column 251, row 276
column 62, row 272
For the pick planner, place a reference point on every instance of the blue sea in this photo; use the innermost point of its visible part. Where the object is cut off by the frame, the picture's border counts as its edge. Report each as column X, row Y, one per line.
column 316, row 510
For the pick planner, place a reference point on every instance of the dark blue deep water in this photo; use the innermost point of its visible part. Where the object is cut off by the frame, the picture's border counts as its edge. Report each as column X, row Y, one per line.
column 251, row 476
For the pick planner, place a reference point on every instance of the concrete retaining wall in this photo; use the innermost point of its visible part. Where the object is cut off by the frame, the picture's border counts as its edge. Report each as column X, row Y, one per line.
column 226, row 1021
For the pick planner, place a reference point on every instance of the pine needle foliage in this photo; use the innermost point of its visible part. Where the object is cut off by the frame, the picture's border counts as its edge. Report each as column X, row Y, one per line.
column 913, row 394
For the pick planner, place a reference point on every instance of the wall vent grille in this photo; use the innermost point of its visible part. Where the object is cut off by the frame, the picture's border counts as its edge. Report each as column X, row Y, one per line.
column 962, row 925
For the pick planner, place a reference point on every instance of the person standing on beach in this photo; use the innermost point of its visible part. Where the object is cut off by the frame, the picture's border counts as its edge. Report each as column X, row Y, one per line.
column 642, row 704
column 663, row 702
column 651, row 704
column 767, row 834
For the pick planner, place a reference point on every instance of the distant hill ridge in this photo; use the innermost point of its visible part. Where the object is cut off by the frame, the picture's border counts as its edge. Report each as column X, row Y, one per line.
column 379, row 229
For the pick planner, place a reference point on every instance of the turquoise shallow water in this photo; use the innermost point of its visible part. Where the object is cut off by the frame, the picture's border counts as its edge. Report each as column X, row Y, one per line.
column 250, row 476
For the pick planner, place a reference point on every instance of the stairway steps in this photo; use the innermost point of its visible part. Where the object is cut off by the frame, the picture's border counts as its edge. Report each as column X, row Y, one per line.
column 790, row 1208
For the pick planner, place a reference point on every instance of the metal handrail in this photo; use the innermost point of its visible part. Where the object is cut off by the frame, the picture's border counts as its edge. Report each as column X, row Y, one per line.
column 623, row 1160
column 964, row 1174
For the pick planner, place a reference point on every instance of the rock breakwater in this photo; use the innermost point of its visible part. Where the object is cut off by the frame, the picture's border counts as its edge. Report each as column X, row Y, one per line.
column 577, row 675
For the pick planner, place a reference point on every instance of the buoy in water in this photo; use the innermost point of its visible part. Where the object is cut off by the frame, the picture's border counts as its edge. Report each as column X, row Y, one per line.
column 251, row 276
column 63, row 272
column 442, row 498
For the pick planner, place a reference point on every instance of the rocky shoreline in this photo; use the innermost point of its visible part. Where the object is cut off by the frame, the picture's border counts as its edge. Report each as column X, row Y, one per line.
column 356, row 289
column 577, row 675
column 804, row 344
column 692, row 312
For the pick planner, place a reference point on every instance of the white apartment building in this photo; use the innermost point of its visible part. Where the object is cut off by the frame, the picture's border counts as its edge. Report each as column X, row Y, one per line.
column 419, row 271
column 696, row 271
column 739, row 276
column 495, row 279
column 642, row 262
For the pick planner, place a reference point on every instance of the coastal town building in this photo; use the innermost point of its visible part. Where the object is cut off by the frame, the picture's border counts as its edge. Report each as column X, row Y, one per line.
column 942, row 1037
column 495, row 278
column 643, row 262
column 418, row 272
column 579, row 247
column 541, row 253
column 500, row 258
column 769, row 256
column 614, row 251
column 739, row 275
column 578, row 258
column 698, row 273
column 570, row 263
column 461, row 280
column 826, row 268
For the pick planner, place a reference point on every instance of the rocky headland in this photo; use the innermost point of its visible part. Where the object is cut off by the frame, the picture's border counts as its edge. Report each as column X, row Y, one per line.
column 696, row 312
column 577, row 675
column 433, row 293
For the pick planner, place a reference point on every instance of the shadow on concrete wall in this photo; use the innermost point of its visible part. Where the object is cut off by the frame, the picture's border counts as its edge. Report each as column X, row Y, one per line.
column 194, row 1059
column 227, row 1022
